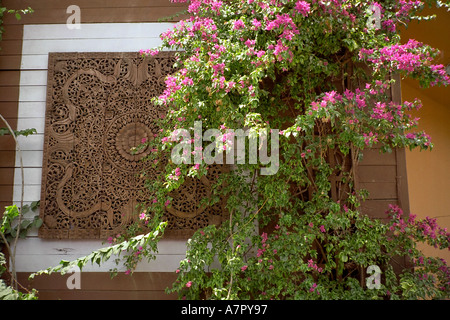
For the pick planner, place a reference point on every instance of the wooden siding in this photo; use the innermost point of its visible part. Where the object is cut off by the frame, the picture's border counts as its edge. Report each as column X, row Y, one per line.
column 35, row 253
column 23, row 73
column 100, row 286
column 50, row 12
column 23, row 64
column 383, row 175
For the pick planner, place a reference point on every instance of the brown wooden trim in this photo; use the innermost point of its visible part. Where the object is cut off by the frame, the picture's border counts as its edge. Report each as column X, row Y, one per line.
column 99, row 285
column 97, row 281
column 12, row 121
column 8, row 109
column 396, row 90
column 98, row 15
column 53, row 4
column 384, row 174
column 4, row 204
column 6, row 176
column 378, row 173
column 105, row 295
column 10, row 93
column 7, row 159
column 380, row 190
column 7, row 143
column 376, row 208
column 10, row 62
column 373, row 157
column 6, row 194
column 402, row 181
column 11, row 47
column 8, row 78
column 12, row 32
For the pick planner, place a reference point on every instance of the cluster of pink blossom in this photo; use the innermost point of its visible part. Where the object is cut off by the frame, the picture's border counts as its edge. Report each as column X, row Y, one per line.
column 314, row 288
column 427, row 227
column 280, row 50
column 422, row 136
column 205, row 27
column 358, row 96
column 285, row 23
column 403, row 56
column 138, row 252
column 151, row 52
column 389, row 25
column 142, row 216
column 410, row 57
column 171, row 87
column 442, row 76
column 112, row 240
column 260, row 252
column 329, row 97
column 209, row 5
column 313, row 265
column 176, row 175
column 194, row 6
column 404, row 7
column 238, row 24
column 334, row 7
column 302, row 7
column 380, row 112
column 394, row 113
column 430, row 228
column 370, row 138
column 263, row 242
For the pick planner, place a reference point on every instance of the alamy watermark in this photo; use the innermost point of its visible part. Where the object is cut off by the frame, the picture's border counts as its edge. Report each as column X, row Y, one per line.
column 74, row 281
column 374, row 21
column 374, row 281
column 74, row 20
column 231, row 145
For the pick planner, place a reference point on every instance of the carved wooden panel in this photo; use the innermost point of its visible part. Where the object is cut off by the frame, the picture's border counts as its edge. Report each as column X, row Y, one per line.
column 98, row 108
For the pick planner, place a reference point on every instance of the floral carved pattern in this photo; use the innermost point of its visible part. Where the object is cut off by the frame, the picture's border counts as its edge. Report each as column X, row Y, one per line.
column 98, row 109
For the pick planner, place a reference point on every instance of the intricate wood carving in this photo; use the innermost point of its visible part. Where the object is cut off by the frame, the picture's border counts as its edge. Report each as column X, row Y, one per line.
column 98, row 108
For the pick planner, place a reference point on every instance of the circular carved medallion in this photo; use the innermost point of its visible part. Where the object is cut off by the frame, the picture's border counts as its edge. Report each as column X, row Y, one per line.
column 123, row 137
column 129, row 138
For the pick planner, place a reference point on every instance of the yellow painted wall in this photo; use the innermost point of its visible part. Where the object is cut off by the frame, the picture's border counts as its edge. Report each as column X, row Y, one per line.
column 429, row 171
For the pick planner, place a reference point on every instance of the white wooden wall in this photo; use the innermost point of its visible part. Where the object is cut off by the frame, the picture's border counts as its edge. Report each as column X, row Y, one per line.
column 33, row 253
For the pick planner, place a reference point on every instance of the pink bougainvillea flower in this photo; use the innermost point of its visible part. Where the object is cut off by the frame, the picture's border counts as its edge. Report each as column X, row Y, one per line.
column 256, row 23
column 238, row 24
column 303, row 8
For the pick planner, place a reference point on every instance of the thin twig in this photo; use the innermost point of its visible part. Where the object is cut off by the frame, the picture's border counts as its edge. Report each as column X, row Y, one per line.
column 254, row 216
column 13, row 253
